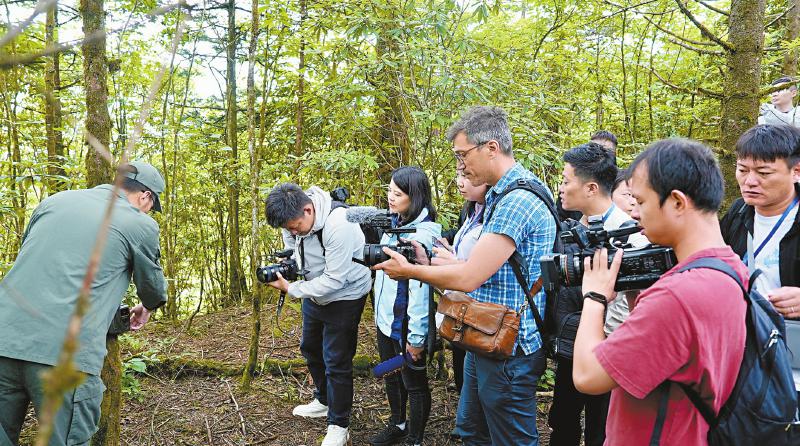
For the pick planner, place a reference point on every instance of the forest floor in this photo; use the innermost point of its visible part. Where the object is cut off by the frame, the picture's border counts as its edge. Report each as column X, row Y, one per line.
column 191, row 395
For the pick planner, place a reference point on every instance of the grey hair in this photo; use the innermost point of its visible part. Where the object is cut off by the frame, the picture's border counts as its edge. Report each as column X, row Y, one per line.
column 483, row 124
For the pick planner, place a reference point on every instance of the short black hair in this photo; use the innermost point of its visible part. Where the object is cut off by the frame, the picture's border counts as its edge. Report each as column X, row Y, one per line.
column 593, row 162
column 285, row 202
column 685, row 165
column 604, row 134
column 770, row 142
column 783, row 80
column 622, row 176
column 131, row 185
column 414, row 183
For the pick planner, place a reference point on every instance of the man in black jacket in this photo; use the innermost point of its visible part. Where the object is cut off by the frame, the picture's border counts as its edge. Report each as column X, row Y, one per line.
column 763, row 226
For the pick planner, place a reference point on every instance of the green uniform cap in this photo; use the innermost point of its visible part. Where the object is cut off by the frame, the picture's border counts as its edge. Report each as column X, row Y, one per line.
column 150, row 178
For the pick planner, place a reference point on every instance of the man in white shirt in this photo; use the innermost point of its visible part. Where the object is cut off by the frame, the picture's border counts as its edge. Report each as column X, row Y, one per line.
column 763, row 227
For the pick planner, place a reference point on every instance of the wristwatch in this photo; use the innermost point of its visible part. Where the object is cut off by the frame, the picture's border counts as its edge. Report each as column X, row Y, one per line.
column 597, row 297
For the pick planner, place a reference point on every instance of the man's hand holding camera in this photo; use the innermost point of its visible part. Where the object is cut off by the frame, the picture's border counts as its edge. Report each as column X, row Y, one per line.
column 397, row 267
column 280, row 284
column 600, row 277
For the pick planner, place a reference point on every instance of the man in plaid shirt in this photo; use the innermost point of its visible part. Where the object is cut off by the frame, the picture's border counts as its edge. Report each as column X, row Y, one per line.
column 498, row 398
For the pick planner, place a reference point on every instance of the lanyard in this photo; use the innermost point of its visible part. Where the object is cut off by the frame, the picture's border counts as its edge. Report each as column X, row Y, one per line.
column 608, row 212
column 771, row 233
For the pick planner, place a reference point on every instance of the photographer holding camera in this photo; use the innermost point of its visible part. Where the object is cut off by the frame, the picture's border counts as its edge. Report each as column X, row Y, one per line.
column 587, row 181
column 39, row 294
column 401, row 311
column 333, row 290
column 687, row 328
column 498, row 397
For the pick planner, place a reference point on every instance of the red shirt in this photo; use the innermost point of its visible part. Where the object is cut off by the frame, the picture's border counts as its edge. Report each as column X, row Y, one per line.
column 688, row 327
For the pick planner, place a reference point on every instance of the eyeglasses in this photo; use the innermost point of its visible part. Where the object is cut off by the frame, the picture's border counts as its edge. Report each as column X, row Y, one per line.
column 460, row 156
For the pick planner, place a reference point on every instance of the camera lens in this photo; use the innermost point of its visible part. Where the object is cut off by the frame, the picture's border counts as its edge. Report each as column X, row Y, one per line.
column 373, row 255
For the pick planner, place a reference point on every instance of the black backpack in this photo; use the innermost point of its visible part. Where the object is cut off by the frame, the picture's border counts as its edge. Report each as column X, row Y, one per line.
column 762, row 408
column 544, row 323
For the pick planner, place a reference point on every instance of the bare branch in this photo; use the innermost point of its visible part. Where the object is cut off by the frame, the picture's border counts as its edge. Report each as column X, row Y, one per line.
column 714, row 8
column 695, row 49
column 14, row 31
column 778, row 87
column 10, row 61
column 683, row 39
column 703, row 30
column 778, row 17
column 698, row 91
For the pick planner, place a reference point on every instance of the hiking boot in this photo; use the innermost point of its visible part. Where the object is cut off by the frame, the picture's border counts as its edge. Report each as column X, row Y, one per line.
column 314, row 409
column 336, row 436
column 389, row 436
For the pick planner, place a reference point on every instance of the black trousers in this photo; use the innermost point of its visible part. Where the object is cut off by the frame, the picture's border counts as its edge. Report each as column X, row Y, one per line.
column 330, row 335
column 458, row 366
column 410, row 385
column 565, row 413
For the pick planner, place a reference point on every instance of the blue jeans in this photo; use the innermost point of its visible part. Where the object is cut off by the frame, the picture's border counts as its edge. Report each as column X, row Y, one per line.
column 330, row 335
column 498, row 400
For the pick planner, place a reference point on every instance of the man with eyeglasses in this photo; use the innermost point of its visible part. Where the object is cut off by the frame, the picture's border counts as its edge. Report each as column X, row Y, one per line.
column 39, row 293
column 498, row 397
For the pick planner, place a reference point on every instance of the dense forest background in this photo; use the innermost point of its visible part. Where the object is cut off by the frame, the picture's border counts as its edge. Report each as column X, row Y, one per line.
column 229, row 99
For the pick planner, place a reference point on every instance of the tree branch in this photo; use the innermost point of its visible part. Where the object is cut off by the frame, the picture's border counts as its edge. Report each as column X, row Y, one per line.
column 780, row 16
column 698, row 91
column 714, row 8
column 14, row 31
column 703, row 30
column 778, row 87
column 684, row 39
column 695, row 49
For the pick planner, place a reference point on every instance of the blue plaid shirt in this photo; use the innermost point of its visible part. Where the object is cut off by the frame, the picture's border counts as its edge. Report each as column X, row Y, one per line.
column 524, row 218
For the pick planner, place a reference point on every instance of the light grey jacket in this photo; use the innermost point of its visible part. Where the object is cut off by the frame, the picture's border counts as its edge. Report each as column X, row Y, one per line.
column 333, row 276
column 771, row 115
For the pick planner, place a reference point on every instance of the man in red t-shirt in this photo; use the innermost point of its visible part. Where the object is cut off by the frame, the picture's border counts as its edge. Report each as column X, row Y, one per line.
column 688, row 327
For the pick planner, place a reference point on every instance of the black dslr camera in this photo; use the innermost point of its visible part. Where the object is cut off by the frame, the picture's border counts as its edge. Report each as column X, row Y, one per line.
column 286, row 265
column 640, row 267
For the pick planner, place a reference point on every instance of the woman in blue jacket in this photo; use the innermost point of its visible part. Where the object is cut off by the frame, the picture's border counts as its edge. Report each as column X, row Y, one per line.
column 401, row 311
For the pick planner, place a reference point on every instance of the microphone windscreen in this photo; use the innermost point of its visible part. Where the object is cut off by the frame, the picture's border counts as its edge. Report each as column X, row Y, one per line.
column 363, row 214
column 388, row 366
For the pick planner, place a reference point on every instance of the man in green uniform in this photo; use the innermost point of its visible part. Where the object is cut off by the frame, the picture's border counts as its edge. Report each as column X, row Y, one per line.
column 38, row 296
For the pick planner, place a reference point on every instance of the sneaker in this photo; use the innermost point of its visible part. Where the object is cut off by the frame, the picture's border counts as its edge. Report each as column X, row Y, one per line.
column 389, row 436
column 314, row 409
column 336, row 436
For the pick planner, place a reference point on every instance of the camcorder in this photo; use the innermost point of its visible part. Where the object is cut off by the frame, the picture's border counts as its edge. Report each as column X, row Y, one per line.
column 380, row 220
column 285, row 265
column 121, row 323
column 640, row 267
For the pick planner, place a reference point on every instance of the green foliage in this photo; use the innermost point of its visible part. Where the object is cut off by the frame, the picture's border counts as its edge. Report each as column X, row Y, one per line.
column 137, row 365
column 382, row 82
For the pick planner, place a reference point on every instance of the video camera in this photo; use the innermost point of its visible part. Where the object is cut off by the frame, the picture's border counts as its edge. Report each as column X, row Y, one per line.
column 640, row 268
column 380, row 220
column 286, row 266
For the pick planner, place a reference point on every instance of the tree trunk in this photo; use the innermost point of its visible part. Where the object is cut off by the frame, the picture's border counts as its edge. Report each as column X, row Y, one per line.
column 255, row 254
column 95, row 73
column 237, row 280
column 743, row 79
column 108, row 428
column 52, row 107
column 792, row 32
column 98, row 171
column 301, row 73
column 391, row 112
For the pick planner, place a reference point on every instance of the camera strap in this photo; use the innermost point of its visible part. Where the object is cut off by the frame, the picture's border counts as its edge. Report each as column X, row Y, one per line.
column 517, row 261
